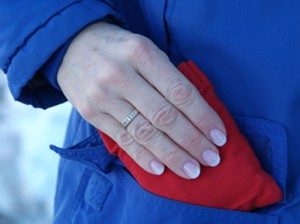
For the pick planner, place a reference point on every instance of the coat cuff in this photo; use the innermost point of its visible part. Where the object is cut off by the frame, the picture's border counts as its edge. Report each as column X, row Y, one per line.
column 27, row 82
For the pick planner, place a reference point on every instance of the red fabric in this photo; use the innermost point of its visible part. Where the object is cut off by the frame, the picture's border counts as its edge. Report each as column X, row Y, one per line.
column 237, row 183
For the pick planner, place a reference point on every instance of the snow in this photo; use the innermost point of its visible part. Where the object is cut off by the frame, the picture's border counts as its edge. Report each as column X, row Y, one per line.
column 27, row 166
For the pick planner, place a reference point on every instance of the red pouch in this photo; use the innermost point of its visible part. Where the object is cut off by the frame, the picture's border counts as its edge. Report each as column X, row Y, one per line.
column 238, row 183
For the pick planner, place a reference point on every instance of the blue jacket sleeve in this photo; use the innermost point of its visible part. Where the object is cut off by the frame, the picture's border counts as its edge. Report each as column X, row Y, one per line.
column 31, row 32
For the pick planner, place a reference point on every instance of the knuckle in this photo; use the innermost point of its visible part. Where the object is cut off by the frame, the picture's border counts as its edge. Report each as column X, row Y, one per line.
column 191, row 141
column 181, row 94
column 92, row 93
column 86, row 111
column 139, row 155
column 144, row 132
column 138, row 47
column 111, row 75
column 165, row 116
column 86, row 108
column 124, row 139
column 204, row 119
column 171, row 158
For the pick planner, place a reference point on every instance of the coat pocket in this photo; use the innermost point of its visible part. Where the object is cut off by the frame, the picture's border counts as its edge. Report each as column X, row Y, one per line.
column 127, row 202
column 109, row 193
column 269, row 142
column 91, row 152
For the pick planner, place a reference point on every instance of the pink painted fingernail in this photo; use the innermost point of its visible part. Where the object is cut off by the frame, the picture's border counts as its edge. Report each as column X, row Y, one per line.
column 157, row 167
column 191, row 170
column 211, row 157
column 218, row 137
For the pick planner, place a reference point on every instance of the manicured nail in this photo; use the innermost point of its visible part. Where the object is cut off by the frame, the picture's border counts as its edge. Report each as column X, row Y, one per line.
column 191, row 170
column 218, row 137
column 211, row 157
column 157, row 167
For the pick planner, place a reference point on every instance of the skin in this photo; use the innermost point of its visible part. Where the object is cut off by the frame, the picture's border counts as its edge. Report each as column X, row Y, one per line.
column 107, row 72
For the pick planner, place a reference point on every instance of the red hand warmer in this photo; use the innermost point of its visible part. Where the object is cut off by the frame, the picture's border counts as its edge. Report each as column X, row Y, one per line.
column 238, row 182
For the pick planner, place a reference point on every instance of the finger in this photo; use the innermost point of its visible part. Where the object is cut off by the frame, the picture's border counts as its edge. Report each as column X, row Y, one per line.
column 178, row 160
column 155, row 67
column 166, row 118
column 143, row 157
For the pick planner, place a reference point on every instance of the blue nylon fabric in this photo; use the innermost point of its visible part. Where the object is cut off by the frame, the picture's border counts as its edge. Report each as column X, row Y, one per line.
column 116, row 202
column 269, row 142
column 39, row 36
column 250, row 51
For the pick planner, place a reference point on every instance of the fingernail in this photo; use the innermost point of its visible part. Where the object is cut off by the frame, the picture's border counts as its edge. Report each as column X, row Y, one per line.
column 218, row 137
column 211, row 157
column 191, row 170
column 157, row 167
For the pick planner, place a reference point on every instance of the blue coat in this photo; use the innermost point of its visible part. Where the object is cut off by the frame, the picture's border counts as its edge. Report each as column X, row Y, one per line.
column 250, row 50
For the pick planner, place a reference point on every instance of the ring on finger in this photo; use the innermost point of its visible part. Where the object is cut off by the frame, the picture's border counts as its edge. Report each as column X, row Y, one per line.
column 129, row 118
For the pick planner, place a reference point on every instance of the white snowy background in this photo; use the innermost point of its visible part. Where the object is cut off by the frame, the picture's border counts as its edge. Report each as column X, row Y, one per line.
column 27, row 166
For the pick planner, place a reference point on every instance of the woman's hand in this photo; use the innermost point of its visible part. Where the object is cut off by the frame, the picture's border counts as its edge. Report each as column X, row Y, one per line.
column 108, row 72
